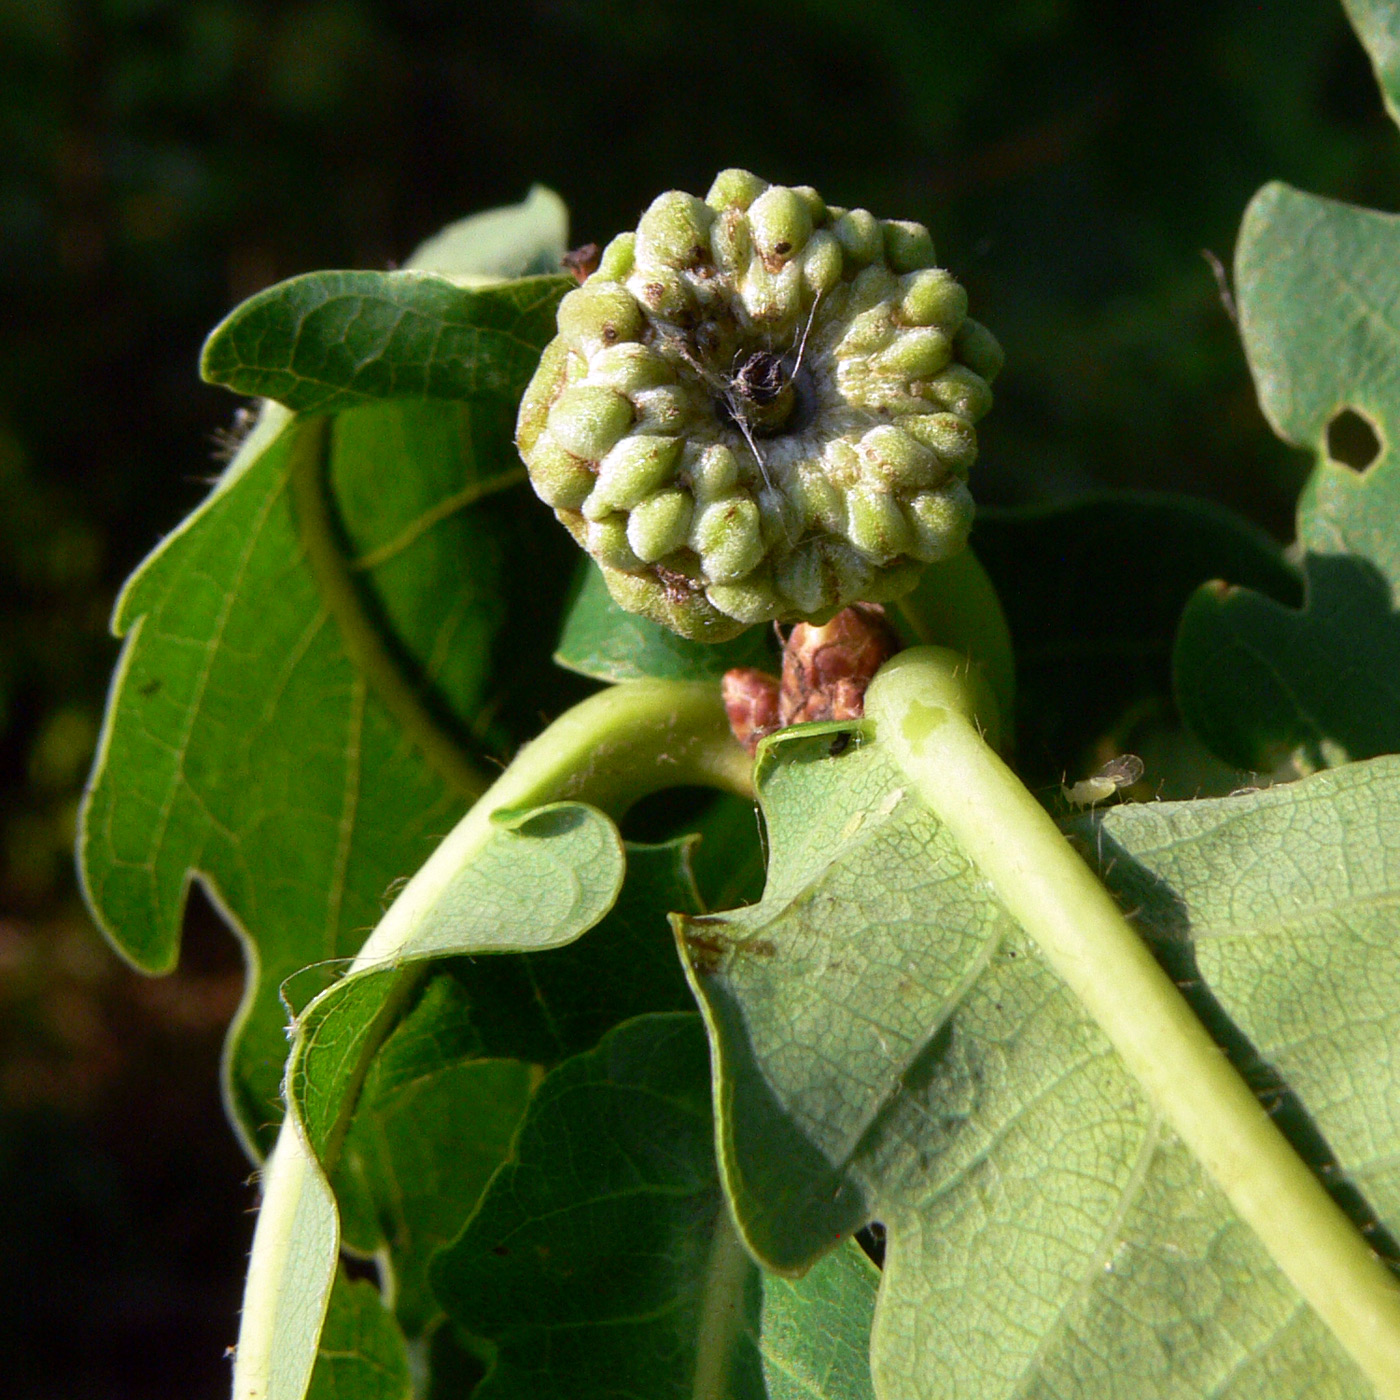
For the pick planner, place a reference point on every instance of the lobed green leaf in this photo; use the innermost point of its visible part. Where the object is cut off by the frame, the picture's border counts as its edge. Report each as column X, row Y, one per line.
column 328, row 341
column 620, row 1275
column 310, row 660
column 889, row 1046
column 1316, row 282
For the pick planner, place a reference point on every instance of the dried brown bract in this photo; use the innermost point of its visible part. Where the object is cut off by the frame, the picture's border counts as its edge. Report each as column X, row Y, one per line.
column 826, row 671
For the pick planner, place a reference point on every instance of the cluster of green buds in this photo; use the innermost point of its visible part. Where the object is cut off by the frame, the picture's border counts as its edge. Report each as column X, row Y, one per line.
column 760, row 407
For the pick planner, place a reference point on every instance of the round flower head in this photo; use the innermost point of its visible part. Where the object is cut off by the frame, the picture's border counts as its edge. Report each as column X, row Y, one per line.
column 760, row 407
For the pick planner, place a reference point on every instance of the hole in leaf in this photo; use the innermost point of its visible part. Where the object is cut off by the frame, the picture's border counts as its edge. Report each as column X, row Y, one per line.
column 1352, row 440
column 872, row 1241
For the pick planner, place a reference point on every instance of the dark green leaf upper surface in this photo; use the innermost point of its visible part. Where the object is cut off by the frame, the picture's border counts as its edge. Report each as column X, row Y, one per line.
column 362, row 1354
column 327, row 341
column 889, row 1046
column 608, row 643
column 620, row 1275
column 1317, row 282
column 310, row 661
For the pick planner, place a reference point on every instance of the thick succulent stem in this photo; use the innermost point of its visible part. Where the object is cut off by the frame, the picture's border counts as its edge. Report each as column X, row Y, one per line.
column 613, row 749
column 929, row 710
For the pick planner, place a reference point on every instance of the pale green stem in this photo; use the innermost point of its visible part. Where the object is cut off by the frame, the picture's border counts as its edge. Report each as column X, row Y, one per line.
column 721, row 1310
column 924, row 705
column 613, row 749
column 956, row 606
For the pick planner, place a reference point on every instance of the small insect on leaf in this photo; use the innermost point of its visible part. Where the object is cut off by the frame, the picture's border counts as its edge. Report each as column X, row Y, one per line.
column 1120, row 772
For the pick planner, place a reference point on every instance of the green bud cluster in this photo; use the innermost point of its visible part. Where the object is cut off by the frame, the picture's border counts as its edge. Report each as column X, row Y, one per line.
column 760, row 407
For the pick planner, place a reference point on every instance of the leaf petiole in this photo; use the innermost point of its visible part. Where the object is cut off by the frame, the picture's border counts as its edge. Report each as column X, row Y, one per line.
column 928, row 706
column 610, row 750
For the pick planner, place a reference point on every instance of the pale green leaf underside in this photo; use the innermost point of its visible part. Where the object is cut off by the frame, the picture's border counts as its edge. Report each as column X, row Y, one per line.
column 620, row 1276
column 1318, row 283
column 519, row 240
column 889, row 1047
column 1377, row 25
column 538, row 883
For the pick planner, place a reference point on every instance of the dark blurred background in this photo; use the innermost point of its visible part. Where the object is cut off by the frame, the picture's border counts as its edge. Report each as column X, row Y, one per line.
column 159, row 161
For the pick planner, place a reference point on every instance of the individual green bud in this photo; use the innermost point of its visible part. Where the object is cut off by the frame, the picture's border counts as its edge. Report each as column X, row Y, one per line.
column 660, row 525
column 961, row 391
column 860, row 236
column 781, row 221
column 941, row 521
column 664, row 294
column 907, row 245
column 560, row 479
column 868, row 332
column 772, row 298
column 714, row 472
column 917, row 353
column 897, row 461
column 587, row 420
column 631, row 471
column 931, row 297
column 800, row 580
column 850, row 570
column 629, row 368
column 759, row 407
column 873, row 288
column 878, row 527
column 753, row 600
column 816, row 205
column 732, row 243
column 606, row 541
column 735, row 189
column 618, row 258
column 728, row 538
column 598, row 315
column 779, row 518
column 820, row 502
column 980, row 350
column 951, row 437
column 674, row 232
column 663, row 410
column 821, row 264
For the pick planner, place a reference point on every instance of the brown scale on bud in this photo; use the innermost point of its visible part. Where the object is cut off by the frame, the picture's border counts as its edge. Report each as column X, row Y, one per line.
column 826, row 670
